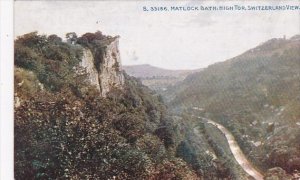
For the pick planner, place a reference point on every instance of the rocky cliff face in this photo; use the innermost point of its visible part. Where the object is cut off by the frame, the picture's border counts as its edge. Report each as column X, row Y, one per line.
column 103, row 64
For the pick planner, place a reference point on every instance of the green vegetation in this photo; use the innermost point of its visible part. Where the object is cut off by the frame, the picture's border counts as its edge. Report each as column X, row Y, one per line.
column 51, row 60
column 64, row 129
column 207, row 150
column 256, row 96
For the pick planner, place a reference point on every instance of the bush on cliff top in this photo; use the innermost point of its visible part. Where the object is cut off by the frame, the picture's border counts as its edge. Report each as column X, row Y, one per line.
column 64, row 133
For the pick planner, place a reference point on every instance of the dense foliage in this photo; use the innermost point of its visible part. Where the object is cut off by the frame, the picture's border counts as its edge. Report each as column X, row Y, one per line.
column 64, row 129
column 256, row 96
column 51, row 60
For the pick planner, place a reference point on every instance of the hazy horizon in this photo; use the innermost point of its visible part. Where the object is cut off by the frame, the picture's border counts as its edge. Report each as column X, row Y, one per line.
column 169, row 40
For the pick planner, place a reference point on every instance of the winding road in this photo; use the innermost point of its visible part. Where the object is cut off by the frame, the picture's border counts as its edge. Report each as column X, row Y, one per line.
column 237, row 152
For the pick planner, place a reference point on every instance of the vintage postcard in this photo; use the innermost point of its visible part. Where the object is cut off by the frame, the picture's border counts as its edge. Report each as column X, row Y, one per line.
column 157, row 90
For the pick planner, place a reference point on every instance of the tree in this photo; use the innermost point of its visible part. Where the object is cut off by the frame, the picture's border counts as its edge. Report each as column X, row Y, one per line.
column 99, row 35
column 87, row 38
column 71, row 37
column 54, row 38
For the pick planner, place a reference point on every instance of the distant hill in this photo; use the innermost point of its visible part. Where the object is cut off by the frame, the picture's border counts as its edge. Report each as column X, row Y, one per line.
column 157, row 78
column 257, row 96
column 148, row 71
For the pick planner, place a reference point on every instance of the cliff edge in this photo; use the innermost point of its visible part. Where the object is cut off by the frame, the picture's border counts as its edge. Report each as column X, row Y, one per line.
column 102, row 62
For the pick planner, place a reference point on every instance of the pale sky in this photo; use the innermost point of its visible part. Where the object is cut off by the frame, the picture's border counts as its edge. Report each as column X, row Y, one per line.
column 172, row 40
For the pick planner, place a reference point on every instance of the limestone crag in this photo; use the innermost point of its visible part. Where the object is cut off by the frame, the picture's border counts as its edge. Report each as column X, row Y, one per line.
column 103, row 65
column 88, row 63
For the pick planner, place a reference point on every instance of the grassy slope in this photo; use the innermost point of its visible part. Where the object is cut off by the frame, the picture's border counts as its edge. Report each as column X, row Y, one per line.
column 247, row 94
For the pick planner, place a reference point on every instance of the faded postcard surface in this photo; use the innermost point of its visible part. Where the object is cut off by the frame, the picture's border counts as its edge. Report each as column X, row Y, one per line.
column 157, row 90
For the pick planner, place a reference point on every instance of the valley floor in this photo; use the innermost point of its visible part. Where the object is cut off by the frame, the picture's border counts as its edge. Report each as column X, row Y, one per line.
column 237, row 152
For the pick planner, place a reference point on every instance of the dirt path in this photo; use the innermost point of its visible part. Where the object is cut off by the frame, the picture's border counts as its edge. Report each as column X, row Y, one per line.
column 237, row 152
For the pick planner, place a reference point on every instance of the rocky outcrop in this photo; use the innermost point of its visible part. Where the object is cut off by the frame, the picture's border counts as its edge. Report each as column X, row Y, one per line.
column 88, row 63
column 103, row 65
